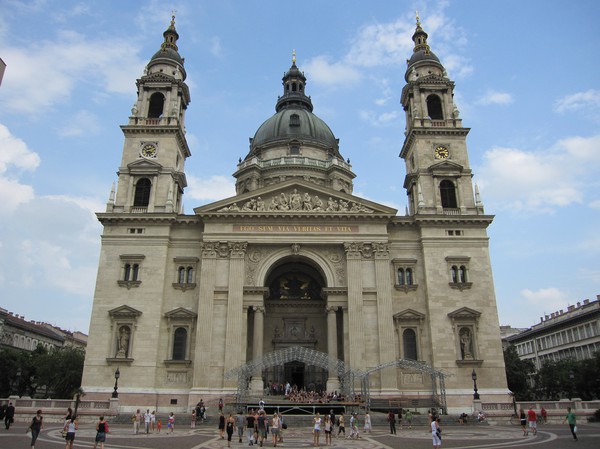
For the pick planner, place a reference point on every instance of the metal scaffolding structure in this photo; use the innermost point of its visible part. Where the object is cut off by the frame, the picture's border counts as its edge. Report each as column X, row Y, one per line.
column 438, row 382
column 349, row 378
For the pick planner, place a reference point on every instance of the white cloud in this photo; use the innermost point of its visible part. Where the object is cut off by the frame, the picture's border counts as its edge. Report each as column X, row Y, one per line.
column 321, row 70
column 215, row 47
column 82, row 123
column 210, row 189
column 495, row 97
column 381, row 44
column 382, row 119
column 547, row 300
column 541, row 181
column 588, row 100
column 94, row 61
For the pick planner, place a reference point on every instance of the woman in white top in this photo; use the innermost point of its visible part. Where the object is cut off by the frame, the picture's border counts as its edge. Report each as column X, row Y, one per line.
column 436, row 433
column 368, row 427
column 275, row 425
column 316, row 429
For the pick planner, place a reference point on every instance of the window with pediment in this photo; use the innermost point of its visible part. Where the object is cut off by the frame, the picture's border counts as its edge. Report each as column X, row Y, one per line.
column 123, row 324
column 131, row 270
column 405, row 274
column 181, row 323
column 465, row 322
column 458, row 272
column 408, row 325
column 185, row 273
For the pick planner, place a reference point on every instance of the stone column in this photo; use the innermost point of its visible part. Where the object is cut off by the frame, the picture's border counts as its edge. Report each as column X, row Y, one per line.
column 203, row 353
column 256, row 384
column 333, row 381
column 356, row 331
column 385, row 320
column 233, row 331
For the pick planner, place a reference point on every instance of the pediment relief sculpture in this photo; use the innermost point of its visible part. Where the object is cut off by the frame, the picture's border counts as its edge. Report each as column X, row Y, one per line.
column 296, row 201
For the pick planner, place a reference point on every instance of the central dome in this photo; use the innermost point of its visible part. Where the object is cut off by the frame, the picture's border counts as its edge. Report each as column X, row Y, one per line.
column 289, row 124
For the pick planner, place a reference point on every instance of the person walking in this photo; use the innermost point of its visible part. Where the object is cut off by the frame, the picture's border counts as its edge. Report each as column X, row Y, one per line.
column 221, row 425
column 70, row 427
column 101, row 431
column 532, row 420
column 572, row 419
column 147, row 420
column 368, row 426
column 316, row 429
column 275, row 428
column 523, row 421
column 261, row 426
column 230, row 425
column 392, row 421
column 171, row 423
column 193, row 419
column 153, row 421
column 135, row 419
column 409, row 417
column 239, row 423
column 436, row 433
column 36, row 426
column 341, row 425
column 9, row 415
column 250, row 425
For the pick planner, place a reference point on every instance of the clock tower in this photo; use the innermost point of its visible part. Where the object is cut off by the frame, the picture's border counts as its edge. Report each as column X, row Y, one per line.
column 151, row 174
column 438, row 179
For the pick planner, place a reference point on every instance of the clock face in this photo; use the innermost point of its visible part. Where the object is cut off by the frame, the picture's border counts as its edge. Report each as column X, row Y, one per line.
column 441, row 152
column 149, row 150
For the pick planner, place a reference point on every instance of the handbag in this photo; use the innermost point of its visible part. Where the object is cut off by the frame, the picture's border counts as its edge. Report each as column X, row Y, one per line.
column 575, row 429
column 284, row 426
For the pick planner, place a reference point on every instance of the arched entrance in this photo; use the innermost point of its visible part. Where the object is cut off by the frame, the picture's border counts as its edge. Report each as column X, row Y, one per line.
column 295, row 317
column 349, row 378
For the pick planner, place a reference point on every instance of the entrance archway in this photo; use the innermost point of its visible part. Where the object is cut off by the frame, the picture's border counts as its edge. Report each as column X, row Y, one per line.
column 300, row 355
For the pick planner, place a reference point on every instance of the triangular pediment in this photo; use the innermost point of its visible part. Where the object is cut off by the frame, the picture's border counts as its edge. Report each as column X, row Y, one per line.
column 464, row 313
column 181, row 313
column 157, row 77
column 143, row 164
column 124, row 311
column 295, row 198
column 409, row 315
column 446, row 167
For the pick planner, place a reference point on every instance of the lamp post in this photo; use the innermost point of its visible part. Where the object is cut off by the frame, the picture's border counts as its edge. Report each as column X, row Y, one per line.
column 571, row 383
column 18, row 380
column 115, row 394
column 474, row 377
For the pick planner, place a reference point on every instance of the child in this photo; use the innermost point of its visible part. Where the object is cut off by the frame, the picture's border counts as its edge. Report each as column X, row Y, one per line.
column 158, row 425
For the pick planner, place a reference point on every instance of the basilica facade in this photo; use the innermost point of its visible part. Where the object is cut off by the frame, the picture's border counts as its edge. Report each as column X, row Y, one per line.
column 294, row 279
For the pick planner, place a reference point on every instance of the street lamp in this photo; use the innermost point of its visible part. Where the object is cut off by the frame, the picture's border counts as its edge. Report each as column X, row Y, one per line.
column 572, row 383
column 474, row 377
column 115, row 394
column 18, row 380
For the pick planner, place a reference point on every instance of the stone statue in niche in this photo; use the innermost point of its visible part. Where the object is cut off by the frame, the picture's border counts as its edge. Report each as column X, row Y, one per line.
column 123, row 342
column 466, row 341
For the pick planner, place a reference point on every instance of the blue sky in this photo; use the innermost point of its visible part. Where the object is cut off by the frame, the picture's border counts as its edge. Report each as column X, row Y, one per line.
column 527, row 84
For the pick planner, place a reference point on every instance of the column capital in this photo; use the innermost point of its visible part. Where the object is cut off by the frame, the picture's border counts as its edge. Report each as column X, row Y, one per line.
column 331, row 309
column 237, row 249
column 382, row 250
column 209, row 249
column 259, row 309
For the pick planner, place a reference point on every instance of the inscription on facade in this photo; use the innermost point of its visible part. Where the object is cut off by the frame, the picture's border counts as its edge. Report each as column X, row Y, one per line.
column 296, row 228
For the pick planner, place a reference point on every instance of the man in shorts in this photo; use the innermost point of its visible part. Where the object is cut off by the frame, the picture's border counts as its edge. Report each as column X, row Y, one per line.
column 532, row 420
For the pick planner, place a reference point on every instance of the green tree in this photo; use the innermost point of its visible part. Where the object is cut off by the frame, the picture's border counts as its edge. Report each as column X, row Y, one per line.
column 60, row 371
column 517, row 374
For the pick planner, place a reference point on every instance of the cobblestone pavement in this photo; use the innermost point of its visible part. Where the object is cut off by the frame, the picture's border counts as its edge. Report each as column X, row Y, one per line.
column 203, row 437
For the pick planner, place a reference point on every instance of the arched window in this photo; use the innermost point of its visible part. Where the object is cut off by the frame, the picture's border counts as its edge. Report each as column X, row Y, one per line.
column 157, row 103
column 454, row 274
column 179, row 343
column 181, row 276
column 409, row 340
column 293, row 87
column 409, row 276
column 400, row 276
column 434, row 108
column 462, row 274
column 190, row 275
column 136, row 272
column 127, row 272
column 448, row 194
column 142, row 193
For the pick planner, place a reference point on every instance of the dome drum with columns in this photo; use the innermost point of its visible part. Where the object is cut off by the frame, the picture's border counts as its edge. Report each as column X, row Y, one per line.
column 294, row 279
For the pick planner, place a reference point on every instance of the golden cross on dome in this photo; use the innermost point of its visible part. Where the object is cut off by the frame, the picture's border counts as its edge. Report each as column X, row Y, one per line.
column 294, row 56
column 418, row 18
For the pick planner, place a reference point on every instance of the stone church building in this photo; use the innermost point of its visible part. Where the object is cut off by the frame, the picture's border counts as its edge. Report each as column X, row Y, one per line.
column 294, row 279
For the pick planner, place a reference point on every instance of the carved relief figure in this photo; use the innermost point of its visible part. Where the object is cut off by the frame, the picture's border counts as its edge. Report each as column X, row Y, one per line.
column 465, row 343
column 123, row 342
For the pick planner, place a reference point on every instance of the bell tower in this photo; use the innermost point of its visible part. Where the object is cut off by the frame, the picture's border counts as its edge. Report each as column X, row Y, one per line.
column 438, row 179
column 151, row 174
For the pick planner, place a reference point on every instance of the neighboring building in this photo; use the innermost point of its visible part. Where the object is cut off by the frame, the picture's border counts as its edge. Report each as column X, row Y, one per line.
column 294, row 278
column 509, row 331
column 571, row 334
column 17, row 333
column 2, row 68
